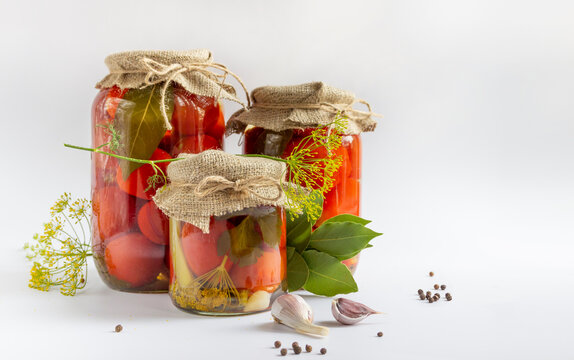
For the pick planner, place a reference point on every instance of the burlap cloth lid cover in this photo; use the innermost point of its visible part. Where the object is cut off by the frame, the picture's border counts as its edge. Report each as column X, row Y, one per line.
column 193, row 69
column 214, row 183
column 308, row 105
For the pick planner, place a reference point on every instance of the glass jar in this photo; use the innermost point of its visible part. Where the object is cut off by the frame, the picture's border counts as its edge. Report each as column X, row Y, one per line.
column 237, row 268
column 344, row 197
column 130, row 235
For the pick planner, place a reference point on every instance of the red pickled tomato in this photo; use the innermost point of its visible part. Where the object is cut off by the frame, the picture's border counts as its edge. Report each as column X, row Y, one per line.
column 344, row 170
column 215, row 115
column 195, row 144
column 166, row 142
column 115, row 211
column 133, row 258
column 113, row 100
column 200, row 249
column 137, row 182
column 343, row 198
column 265, row 274
column 190, row 113
column 353, row 145
column 154, row 224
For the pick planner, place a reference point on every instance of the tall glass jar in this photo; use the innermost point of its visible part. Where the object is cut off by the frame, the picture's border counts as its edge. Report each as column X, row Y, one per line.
column 237, row 268
column 344, row 197
column 130, row 234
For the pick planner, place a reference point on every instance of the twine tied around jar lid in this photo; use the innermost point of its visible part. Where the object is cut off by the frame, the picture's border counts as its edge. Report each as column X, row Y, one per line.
column 241, row 188
column 309, row 105
column 192, row 69
column 214, row 183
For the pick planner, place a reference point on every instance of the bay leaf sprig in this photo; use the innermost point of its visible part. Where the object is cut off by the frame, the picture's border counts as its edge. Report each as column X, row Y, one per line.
column 314, row 258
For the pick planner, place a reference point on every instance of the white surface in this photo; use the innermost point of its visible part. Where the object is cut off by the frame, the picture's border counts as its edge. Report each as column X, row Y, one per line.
column 470, row 174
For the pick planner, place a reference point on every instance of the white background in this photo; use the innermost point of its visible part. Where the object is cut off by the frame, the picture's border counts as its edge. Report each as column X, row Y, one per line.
column 470, row 173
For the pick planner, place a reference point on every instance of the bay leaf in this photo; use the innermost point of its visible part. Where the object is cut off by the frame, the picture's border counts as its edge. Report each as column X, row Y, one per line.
column 270, row 226
column 241, row 243
column 327, row 275
column 347, row 217
column 340, row 239
column 140, row 124
column 297, row 270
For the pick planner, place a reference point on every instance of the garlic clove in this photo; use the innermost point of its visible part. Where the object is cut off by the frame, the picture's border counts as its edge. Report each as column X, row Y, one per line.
column 349, row 312
column 292, row 310
column 259, row 301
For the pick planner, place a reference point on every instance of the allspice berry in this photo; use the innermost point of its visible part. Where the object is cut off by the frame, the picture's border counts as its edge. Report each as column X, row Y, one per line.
column 295, row 344
column 283, row 352
column 323, row 351
column 443, row 287
column 437, row 295
column 436, row 286
column 297, row 350
column 448, row 296
column 421, row 291
column 429, row 293
column 431, row 300
column 422, row 296
column 308, row 348
column 119, row 328
column 431, row 274
column 380, row 334
column 277, row 344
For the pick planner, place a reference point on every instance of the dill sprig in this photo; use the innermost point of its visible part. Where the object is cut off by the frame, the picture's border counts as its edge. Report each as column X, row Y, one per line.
column 59, row 254
column 308, row 176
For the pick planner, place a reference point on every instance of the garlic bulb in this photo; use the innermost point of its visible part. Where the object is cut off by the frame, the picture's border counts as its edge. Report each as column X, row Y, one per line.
column 349, row 312
column 293, row 311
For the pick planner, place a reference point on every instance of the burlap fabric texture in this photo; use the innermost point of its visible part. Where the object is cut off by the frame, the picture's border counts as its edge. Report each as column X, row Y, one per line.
column 310, row 105
column 194, row 70
column 214, row 183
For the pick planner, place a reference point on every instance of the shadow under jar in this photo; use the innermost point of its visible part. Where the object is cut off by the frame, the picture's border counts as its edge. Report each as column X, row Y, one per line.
column 130, row 234
column 237, row 268
column 344, row 197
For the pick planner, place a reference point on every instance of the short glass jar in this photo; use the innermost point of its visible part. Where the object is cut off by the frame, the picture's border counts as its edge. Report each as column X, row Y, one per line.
column 130, row 235
column 237, row 268
column 344, row 197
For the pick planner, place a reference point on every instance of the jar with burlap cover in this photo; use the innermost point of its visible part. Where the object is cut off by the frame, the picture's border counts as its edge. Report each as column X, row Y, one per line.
column 152, row 105
column 280, row 121
column 228, row 235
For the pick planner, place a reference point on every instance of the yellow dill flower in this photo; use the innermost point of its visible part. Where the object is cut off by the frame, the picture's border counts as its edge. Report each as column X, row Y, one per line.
column 59, row 254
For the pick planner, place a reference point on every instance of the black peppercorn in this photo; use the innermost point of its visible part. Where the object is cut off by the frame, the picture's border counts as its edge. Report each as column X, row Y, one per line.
column 308, row 348
column 283, row 352
column 323, row 351
column 119, row 328
column 277, row 344
column 380, row 334
column 443, row 287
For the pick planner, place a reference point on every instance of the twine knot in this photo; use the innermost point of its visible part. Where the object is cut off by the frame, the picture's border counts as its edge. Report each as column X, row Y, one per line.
column 162, row 73
column 241, row 188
